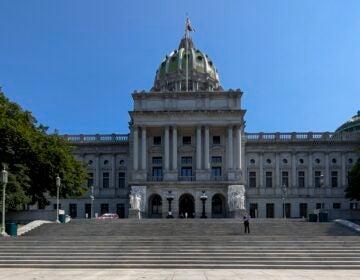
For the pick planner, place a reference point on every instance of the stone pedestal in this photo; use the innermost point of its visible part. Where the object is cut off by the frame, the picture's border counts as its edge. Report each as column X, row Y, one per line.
column 135, row 214
column 237, row 213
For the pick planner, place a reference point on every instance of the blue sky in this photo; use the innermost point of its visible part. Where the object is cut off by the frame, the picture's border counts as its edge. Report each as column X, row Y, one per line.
column 74, row 64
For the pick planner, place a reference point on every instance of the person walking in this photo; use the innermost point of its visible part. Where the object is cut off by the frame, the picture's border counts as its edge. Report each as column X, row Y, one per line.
column 246, row 219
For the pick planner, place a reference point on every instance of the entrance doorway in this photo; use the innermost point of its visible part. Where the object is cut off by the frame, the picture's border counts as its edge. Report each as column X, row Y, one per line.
column 218, row 206
column 155, row 203
column 186, row 205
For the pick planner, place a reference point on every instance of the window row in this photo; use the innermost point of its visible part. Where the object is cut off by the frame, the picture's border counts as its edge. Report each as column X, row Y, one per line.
column 302, row 161
column 286, row 209
column 186, row 140
column 106, row 180
column 301, row 179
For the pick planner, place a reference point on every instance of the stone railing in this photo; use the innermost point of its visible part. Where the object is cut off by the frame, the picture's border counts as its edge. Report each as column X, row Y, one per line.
column 97, row 138
column 302, row 137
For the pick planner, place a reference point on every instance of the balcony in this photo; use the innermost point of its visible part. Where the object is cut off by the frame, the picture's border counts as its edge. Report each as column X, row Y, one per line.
column 218, row 178
column 155, row 178
column 186, row 178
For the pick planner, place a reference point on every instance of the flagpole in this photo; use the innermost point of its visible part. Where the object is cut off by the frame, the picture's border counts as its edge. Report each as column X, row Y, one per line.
column 186, row 52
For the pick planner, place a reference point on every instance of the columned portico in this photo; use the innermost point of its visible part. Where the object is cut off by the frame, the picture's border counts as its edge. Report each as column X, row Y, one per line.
column 198, row 148
column 206, row 148
column 143, row 149
column 136, row 148
column 167, row 148
column 230, row 153
column 174, row 149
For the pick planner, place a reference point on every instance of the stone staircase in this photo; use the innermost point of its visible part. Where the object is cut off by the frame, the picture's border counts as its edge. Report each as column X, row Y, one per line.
column 183, row 244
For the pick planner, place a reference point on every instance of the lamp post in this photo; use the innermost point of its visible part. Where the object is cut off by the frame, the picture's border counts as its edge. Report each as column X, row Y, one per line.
column 4, row 181
column 203, row 198
column 284, row 192
column 92, row 197
column 170, row 198
column 58, row 184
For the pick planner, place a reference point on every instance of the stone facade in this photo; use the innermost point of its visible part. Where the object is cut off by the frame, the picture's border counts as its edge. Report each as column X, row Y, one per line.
column 190, row 148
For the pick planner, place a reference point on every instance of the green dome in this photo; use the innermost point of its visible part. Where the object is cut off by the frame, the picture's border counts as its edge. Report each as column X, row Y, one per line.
column 351, row 125
column 202, row 73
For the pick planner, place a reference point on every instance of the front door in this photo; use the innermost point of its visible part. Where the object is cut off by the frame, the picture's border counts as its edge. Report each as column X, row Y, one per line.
column 187, row 206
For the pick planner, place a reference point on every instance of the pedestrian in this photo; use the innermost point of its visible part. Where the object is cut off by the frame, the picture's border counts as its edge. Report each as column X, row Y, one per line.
column 246, row 219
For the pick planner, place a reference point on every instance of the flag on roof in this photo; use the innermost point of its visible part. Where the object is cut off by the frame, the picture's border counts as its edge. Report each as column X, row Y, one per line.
column 188, row 26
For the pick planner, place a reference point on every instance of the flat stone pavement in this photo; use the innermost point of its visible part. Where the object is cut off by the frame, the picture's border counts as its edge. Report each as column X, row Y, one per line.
column 177, row 274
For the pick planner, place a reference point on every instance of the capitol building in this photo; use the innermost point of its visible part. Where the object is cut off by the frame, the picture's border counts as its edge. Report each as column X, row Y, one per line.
column 187, row 147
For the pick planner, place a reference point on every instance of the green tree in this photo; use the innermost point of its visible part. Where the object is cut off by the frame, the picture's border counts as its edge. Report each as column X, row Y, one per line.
column 353, row 190
column 34, row 158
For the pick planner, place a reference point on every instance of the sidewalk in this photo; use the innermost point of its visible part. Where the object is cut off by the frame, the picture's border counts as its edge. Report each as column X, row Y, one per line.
column 176, row 274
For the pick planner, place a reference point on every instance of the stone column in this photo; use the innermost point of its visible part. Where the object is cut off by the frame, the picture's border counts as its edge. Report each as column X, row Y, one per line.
column 293, row 169
column 230, row 148
column 343, row 170
column 98, row 175
column 206, row 148
column 310, row 171
column 143, row 149
column 238, row 148
column 327, row 171
column 278, row 182
column 167, row 148
column 174, row 148
column 198, row 147
column 261, row 182
column 113, row 171
column 136, row 147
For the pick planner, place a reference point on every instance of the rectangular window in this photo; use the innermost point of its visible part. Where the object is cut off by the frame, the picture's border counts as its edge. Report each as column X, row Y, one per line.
column 121, row 180
column 216, row 171
column 157, row 173
column 253, row 210
column 270, row 210
column 73, row 210
column 336, row 205
column 106, row 182
column 120, row 210
column 268, row 182
column 285, row 178
column 186, row 171
column 303, row 210
column 216, row 140
column 157, row 160
column 186, row 160
column 317, row 179
column 157, row 140
column 104, row 208
column 301, row 179
column 55, row 206
column 216, row 160
column 186, row 140
column 319, row 205
column 90, row 181
column 252, row 179
column 334, row 179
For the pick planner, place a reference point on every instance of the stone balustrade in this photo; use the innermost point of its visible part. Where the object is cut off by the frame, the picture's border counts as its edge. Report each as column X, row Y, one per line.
column 97, row 138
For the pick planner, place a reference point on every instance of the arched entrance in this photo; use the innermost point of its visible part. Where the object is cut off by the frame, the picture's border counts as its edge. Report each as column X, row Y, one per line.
column 186, row 205
column 218, row 206
column 155, row 206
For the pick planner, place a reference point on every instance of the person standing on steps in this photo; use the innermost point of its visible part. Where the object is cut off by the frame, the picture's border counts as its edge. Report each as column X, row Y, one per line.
column 246, row 219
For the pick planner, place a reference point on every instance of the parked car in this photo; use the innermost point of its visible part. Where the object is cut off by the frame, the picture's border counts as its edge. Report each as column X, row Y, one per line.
column 108, row 216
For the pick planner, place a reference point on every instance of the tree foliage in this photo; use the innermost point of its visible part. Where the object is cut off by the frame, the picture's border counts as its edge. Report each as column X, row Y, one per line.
column 353, row 190
column 34, row 159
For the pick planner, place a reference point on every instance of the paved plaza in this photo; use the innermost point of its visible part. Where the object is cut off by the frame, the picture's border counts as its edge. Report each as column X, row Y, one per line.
column 176, row 274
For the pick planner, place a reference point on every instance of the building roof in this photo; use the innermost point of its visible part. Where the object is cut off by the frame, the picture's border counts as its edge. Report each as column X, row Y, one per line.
column 351, row 125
